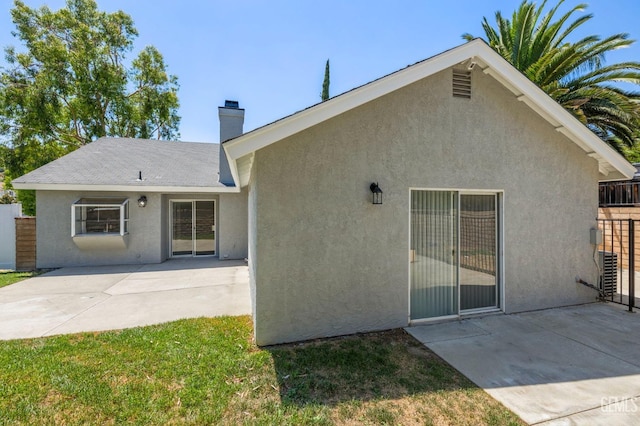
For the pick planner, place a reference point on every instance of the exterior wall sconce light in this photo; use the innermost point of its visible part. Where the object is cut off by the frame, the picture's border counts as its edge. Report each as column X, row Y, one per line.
column 142, row 201
column 376, row 193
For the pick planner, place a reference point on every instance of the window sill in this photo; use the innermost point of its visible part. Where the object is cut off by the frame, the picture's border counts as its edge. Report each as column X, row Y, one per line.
column 101, row 241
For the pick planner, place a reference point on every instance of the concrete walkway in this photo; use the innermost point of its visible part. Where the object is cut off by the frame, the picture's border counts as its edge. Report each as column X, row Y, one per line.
column 70, row 300
column 566, row 366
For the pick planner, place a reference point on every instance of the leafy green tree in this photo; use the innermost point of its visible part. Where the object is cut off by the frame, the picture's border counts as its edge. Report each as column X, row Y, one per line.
column 325, row 83
column 73, row 84
column 572, row 73
column 632, row 153
column 7, row 199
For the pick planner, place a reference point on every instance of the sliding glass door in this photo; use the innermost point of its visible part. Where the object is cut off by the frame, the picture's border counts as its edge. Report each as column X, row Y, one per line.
column 478, row 251
column 204, row 229
column 181, row 228
column 453, row 255
column 193, row 228
column 434, row 269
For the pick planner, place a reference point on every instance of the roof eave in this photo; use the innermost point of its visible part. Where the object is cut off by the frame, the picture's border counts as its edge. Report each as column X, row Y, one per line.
column 264, row 136
column 554, row 113
column 125, row 188
column 491, row 63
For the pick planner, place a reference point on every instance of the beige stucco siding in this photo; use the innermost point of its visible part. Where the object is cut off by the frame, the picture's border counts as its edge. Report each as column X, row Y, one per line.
column 332, row 263
column 231, row 221
column 149, row 235
column 55, row 247
column 252, row 237
column 232, row 225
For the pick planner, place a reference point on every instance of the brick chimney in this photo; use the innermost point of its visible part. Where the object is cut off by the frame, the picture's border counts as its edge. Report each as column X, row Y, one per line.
column 231, row 121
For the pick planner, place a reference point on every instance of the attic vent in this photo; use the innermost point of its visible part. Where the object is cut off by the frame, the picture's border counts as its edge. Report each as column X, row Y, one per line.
column 461, row 84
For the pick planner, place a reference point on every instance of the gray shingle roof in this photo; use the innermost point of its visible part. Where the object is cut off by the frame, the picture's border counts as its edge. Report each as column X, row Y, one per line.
column 118, row 161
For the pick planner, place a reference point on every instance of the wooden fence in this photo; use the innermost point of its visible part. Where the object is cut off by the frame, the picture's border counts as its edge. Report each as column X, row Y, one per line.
column 614, row 226
column 25, row 243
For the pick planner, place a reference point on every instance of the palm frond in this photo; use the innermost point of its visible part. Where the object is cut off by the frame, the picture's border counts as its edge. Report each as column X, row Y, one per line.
column 572, row 72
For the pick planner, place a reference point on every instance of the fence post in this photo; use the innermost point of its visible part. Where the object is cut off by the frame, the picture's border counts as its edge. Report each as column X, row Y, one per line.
column 632, row 266
column 25, row 243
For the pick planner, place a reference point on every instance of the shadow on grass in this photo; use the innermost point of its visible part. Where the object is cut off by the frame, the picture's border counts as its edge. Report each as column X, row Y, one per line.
column 362, row 367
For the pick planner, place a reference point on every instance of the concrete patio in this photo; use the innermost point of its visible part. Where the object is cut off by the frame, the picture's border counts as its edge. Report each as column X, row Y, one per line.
column 70, row 300
column 564, row 366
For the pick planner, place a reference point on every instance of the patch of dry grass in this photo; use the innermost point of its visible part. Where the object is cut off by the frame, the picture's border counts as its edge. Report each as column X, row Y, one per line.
column 207, row 371
column 374, row 378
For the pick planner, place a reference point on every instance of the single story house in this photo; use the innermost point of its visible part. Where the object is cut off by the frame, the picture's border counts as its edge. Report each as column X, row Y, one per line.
column 454, row 186
column 121, row 201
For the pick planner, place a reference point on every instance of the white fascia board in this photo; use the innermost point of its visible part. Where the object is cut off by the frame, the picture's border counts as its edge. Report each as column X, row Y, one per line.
column 571, row 126
column 124, row 188
column 579, row 142
column 260, row 138
column 233, row 166
column 244, row 168
column 489, row 71
column 496, row 66
column 616, row 161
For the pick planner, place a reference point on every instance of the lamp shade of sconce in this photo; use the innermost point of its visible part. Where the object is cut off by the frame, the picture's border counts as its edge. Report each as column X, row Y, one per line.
column 142, row 201
column 376, row 193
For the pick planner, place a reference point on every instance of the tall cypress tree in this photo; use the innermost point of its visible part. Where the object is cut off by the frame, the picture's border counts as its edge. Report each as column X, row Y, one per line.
column 325, row 83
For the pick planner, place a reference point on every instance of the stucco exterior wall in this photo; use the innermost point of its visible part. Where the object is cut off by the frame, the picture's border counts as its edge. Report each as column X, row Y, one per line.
column 166, row 217
column 149, row 229
column 332, row 263
column 56, row 248
column 231, row 222
column 253, row 240
column 232, row 225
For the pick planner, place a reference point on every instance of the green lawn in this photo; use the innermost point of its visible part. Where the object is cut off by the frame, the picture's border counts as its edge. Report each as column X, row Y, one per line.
column 207, row 371
column 7, row 278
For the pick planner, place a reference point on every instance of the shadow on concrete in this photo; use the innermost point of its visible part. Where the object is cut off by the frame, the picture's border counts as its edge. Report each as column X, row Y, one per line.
column 176, row 264
column 71, row 300
column 546, row 364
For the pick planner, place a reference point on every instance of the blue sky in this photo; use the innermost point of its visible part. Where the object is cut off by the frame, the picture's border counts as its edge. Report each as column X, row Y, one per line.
column 270, row 54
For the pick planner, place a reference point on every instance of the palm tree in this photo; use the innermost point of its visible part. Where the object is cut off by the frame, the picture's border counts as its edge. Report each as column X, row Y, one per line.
column 572, row 73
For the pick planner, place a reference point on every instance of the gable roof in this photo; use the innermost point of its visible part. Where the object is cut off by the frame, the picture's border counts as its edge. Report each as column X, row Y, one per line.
column 114, row 164
column 612, row 166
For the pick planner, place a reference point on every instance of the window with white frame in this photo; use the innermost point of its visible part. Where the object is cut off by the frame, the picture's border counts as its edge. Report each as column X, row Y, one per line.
column 107, row 216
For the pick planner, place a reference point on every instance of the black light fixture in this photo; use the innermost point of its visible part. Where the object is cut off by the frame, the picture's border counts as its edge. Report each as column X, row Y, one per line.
column 376, row 193
column 142, row 201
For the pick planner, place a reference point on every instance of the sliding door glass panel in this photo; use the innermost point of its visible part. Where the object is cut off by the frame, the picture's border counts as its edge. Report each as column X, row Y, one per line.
column 205, row 242
column 433, row 257
column 478, row 248
column 182, row 228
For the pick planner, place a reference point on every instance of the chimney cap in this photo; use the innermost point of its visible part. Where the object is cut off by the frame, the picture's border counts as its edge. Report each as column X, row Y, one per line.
column 231, row 104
